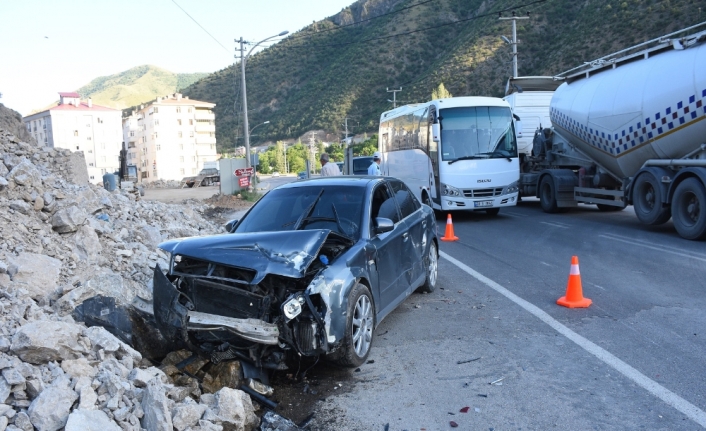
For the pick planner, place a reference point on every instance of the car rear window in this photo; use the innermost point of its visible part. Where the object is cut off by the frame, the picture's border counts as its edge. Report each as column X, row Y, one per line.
column 281, row 208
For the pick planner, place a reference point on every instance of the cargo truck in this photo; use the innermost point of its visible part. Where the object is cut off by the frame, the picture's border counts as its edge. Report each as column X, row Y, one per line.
column 628, row 129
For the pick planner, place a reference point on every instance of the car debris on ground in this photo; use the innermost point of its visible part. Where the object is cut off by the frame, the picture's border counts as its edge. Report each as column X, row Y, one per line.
column 72, row 251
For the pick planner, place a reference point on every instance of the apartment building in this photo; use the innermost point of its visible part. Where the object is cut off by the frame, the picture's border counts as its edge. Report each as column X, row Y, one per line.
column 81, row 126
column 170, row 138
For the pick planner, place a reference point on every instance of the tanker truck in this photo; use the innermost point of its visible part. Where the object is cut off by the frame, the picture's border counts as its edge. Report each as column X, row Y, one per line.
column 628, row 129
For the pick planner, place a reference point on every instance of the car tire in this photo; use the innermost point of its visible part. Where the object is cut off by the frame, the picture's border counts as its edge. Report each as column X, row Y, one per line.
column 360, row 327
column 431, row 263
column 647, row 201
column 689, row 209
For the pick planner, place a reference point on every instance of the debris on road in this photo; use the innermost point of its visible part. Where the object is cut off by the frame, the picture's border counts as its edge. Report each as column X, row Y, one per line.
column 453, row 424
column 498, row 382
column 468, row 360
column 464, row 410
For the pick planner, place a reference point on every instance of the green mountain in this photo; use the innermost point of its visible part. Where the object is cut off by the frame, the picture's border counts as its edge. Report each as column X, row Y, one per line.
column 137, row 85
column 341, row 66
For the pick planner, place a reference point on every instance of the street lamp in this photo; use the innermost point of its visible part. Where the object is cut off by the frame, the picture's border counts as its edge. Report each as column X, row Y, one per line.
column 243, row 59
column 266, row 122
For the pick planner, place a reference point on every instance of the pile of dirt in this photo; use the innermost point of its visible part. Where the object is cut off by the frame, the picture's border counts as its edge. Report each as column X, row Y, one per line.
column 234, row 202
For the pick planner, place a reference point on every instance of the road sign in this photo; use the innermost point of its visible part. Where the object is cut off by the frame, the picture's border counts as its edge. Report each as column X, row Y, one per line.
column 243, row 171
column 244, row 181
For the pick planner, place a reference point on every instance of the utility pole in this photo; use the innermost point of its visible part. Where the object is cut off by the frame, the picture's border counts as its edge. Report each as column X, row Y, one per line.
column 245, row 102
column 346, row 138
column 514, row 19
column 394, row 96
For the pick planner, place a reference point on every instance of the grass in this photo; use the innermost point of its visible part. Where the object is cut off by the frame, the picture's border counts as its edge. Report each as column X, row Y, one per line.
column 249, row 196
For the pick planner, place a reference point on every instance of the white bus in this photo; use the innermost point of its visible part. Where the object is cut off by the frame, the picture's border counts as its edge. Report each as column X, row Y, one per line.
column 458, row 153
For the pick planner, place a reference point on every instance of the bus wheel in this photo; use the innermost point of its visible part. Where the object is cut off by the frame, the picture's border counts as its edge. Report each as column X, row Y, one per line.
column 492, row 211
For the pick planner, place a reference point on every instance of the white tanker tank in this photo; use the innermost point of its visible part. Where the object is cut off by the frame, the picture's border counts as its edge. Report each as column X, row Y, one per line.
column 630, row 128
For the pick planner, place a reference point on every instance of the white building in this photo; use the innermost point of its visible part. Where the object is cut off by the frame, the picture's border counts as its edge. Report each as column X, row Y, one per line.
column 170, row 138
column 81, row 126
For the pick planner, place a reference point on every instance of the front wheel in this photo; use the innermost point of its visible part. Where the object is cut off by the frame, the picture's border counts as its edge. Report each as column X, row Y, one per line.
column 431, row 262
column 647, row 201
column 360, row 323
column 689, row 209
column 547, row 195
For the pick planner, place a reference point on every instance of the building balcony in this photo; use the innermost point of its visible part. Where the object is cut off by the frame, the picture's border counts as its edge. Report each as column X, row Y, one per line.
column 204, row 127
column 204, row 115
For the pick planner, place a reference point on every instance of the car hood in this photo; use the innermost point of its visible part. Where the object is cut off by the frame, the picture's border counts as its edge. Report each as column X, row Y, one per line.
column 287, row 253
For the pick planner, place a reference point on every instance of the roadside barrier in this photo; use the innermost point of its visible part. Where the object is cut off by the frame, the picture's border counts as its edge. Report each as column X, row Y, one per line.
column 574, row 293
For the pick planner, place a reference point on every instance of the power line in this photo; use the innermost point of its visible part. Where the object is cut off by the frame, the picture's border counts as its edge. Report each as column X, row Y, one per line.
column 202, row 27
column 422, row 29
column 363, row 20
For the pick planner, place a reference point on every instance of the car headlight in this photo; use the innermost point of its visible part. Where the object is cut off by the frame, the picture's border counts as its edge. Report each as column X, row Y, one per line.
column 511, row 188
column 293, row 306
column 447, row 190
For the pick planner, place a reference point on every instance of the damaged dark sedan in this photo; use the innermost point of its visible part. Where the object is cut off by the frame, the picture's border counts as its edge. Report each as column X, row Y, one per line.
column 311, row 269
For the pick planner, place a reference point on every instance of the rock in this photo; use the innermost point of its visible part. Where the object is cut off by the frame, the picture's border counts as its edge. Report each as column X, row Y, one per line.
column 34, row 388
column 12, row 376
column 38, row 203
column 140, row 377
column 3, row 423
column 235, row 407
column 90, row 420
column 50, row 410
column 209, row 426
column 68, row 219
column 187, row 415
column 88, row 246
column 37, row 273
column 25, row 174
column 43, row 341
column 87, row 398
column 156, row 408
column 78, row 368
column 3, row 183
column 102, row 339
column 3, row 267
column 271, row 421
column 22, row 422
column 5, row 390
column 20, row 206
column 222, row 375
column 151, row 236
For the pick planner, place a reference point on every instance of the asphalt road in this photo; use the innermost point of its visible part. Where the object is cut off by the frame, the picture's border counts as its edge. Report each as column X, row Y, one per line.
column 633, row 360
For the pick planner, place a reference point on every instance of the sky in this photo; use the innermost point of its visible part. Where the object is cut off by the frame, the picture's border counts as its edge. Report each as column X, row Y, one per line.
column 51, row 46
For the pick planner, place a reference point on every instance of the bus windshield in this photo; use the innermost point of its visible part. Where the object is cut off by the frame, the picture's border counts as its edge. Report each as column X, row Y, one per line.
column 481, row 132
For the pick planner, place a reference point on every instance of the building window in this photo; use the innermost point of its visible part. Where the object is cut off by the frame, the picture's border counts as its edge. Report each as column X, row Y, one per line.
column 178, row 112
column 181, row 171
column 90, row 164
column 181, row 146
column 212, row 146
column 102, row 145
column 193, row 158
column 191, row 134
column 144, row 151
column 159, row 146
column 189, row 110
column 193, row 171
column 191, row 122
column 92, row 177
column 155, row 135
column 180, row 134
column 179, row 122
column 102, row 158
column 156, row 122
column 156, row 110
column 77, row 147
column 99, row 121
column 75, row 132
column 181, row 159
column 88, row 138
column 90, row 151
column 132, row 133
column 103, row 171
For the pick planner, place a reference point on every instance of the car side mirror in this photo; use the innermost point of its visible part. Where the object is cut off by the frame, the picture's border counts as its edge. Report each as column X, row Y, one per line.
column 436, row 132
column 383, row 225
column 230, row 226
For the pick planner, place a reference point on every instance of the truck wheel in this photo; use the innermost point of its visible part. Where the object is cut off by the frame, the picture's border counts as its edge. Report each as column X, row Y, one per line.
column 547, row 195
column 647, row 200
column 689, row 209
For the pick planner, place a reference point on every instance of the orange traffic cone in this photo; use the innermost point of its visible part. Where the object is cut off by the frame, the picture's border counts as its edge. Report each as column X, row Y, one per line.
column 574, row 294
column 449, row 235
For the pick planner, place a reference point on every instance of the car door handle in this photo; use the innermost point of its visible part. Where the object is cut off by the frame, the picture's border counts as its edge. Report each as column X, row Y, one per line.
column 405, row 236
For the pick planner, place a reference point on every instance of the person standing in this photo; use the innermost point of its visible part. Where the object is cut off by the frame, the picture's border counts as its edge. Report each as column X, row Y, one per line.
column 374, row 168
column 328, row 169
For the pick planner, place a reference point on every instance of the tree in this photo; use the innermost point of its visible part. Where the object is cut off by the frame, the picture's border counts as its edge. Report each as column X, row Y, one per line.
column 440, row 92
column 335, row 151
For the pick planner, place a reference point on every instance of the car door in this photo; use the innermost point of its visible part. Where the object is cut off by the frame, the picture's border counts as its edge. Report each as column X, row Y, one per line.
column 389, row 247
column 414, row 241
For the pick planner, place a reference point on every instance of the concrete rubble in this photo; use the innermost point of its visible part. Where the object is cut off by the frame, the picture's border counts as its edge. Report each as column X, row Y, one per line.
column 63, row 241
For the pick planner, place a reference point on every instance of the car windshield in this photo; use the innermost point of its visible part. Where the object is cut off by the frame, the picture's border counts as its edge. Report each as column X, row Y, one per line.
column 338, row 208
column 480, row 132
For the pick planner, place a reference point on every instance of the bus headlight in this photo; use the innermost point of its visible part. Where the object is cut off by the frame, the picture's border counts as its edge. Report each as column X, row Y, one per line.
column 447, row 190
column 511, row 188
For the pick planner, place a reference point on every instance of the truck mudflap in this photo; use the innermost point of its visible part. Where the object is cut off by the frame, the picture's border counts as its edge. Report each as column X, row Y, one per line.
column 170, row 316
column 250, row 329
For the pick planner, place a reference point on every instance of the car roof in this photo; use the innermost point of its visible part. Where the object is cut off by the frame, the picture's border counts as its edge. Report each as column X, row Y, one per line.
column 347, row 180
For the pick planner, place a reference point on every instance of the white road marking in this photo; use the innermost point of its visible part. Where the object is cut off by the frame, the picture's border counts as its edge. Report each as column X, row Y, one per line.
column 561, row 225
column 652, row 246
column 691, row 411
column 545, row 263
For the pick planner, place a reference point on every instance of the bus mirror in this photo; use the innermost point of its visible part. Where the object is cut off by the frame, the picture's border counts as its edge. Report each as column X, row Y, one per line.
column 518, row 128
column 436, row 132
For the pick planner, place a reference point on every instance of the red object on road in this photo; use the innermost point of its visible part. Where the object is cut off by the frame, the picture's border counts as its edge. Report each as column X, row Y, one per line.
column 465, row 409
column 449, row 234
column 244, row 181
column 574, row 293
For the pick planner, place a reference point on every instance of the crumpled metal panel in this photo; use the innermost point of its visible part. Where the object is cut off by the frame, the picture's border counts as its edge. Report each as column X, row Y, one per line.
column 285, row 253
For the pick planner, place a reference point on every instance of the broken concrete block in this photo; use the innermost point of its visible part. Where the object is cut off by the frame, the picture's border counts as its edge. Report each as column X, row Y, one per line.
column 42, row 341
column 22, row 422
column 78, row 368
column 102, row 339
column 235, row 407
column 87, row 398
column 187, row 415
column 25, row 174
column 90, row 420
column 12, row 376
column 155, row 405
column 88, row 246
column 140, row 377
column 20, row 206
